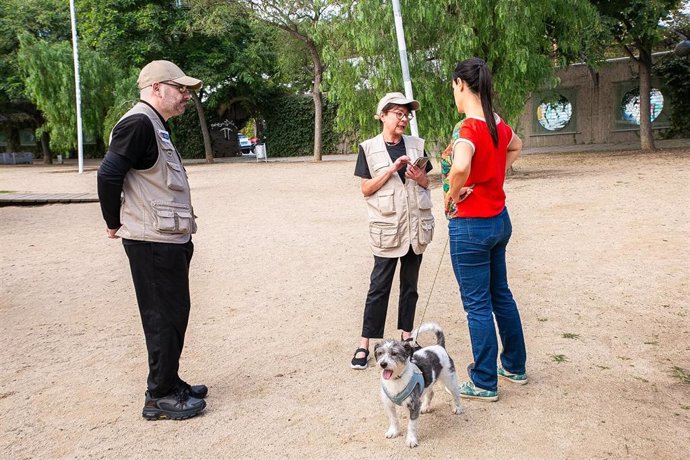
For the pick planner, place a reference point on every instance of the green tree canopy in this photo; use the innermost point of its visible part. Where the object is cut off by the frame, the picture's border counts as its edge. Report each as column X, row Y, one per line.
column 521, row 41
column 309, row 22
column 47, row 69
column 45, row 19
column 674, row 71
column 210, row 40
column 636, row 26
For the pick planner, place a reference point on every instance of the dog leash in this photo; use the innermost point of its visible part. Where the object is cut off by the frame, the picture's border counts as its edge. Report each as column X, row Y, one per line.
column 421, row 320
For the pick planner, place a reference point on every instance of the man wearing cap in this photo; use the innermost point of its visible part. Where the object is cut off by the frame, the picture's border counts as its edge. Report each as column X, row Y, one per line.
column 145, row 200
column 393, row 169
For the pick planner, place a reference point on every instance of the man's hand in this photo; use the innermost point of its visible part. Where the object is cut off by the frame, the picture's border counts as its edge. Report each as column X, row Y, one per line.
column 111, row 233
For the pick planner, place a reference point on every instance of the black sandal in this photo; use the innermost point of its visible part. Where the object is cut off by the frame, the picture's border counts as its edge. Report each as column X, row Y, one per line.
column 360, row 363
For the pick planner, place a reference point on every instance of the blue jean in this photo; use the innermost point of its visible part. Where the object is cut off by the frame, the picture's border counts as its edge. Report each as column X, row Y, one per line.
column 478, row 255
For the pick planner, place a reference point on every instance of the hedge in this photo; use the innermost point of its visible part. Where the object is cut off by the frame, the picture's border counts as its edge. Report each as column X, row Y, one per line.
column 289, row 122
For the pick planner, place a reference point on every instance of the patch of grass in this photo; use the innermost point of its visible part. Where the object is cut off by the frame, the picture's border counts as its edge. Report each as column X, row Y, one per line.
column 559, row 358
column 542, row 319
column 641, row 379
column 653, row 342
column 603, row 367
column 685, row 407
column 570, row 335
column 624, row 358
column 683, row 376
column 6, row 191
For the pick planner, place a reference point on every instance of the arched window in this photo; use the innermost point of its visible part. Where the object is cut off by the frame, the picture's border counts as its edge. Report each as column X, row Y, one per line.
column 630, row 105
column 554, row 113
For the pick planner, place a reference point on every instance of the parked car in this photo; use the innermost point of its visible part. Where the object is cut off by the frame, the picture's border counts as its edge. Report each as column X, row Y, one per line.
column 246, row 146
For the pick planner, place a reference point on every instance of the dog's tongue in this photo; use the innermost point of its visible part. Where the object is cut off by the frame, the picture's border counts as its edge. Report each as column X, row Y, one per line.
column 387, row 374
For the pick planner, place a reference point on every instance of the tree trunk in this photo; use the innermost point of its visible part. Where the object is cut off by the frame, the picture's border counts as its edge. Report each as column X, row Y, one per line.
column 316, row 93
column 45, row 148
column 646, row 133
column 595, row 108
column 208, row 151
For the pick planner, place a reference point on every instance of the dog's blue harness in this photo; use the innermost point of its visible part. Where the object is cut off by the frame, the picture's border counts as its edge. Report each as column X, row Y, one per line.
column 417, row 379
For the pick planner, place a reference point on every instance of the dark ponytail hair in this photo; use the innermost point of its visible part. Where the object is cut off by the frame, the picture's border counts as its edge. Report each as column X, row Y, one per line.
column 477, row 76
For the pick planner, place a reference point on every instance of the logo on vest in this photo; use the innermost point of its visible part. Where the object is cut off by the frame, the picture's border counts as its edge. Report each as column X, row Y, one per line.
column 164, row 135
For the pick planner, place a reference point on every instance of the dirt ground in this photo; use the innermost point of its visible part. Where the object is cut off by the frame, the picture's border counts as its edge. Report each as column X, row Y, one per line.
column 599, row 265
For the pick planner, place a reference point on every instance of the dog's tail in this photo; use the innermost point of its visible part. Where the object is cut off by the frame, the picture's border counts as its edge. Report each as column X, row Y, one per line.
column 431, row 327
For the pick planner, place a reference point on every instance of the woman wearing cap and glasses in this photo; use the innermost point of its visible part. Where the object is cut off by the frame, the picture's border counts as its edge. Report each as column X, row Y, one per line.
column 473, row 168
column 393, row 169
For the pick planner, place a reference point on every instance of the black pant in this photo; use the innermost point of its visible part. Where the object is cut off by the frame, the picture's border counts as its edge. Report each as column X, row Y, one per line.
column 160, row 272
column 376, row 305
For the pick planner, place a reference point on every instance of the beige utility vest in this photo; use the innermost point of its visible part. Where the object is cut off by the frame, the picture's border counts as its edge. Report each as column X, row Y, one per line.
column 157, row 204
column 399, row 213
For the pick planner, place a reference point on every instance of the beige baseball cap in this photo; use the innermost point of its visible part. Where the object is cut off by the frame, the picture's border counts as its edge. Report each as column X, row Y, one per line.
column 160, row 71
column 396, row 98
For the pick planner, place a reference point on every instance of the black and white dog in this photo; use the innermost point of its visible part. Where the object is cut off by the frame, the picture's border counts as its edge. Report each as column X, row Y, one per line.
column 407, row 378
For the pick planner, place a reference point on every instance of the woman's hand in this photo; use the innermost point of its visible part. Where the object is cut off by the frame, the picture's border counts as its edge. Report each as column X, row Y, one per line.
column 418, row 175
column 464, row 193
column 399, row 163
column 371, row 186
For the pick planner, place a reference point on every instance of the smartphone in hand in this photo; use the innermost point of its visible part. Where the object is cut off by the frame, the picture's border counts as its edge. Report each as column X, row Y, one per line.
column 421, row 162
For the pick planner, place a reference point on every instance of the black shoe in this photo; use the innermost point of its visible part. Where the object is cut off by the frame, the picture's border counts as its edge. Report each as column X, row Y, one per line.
column 198, row 391
column 195, row 391
column 178, row 405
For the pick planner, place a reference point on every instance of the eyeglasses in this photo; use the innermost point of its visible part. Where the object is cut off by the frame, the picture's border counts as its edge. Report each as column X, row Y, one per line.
column 181, row 88
column 402, row 115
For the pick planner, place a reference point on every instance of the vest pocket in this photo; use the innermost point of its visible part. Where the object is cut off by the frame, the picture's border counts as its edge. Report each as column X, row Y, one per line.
column 423, row 197
column 175, row 179
column 384, row 235
column 184, row 222
column 173, row 218
column 381, row 165
column 426, row 230
column 386, row 202
column 165, row 221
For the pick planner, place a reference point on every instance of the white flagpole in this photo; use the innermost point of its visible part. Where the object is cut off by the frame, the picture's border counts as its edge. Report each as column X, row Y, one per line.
column 77, row 84
column 399, row 32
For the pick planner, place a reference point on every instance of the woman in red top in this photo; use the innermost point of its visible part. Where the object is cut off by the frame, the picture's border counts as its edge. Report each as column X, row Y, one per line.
column 474, row 167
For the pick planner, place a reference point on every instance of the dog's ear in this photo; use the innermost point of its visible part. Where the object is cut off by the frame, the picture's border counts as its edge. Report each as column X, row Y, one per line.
column 408, row 348
column 376, row 348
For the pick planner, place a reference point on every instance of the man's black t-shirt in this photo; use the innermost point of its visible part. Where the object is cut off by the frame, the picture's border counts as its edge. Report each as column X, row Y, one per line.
column 133, row 145
column 135, row 139
column 395, row 152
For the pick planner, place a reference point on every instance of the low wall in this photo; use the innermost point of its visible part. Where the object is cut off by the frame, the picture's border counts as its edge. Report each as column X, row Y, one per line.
column 16, row 158
column 590, row 107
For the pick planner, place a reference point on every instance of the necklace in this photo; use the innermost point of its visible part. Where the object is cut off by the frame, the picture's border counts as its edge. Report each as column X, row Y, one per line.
column 390, row 144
